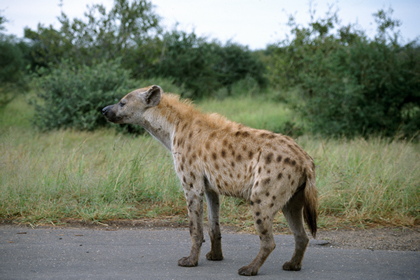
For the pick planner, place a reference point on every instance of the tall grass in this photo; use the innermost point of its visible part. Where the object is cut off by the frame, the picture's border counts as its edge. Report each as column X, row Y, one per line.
column 98, row 176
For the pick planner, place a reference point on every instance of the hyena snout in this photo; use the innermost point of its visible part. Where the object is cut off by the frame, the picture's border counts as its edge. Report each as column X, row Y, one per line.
column 106, row 109
column 110, row 114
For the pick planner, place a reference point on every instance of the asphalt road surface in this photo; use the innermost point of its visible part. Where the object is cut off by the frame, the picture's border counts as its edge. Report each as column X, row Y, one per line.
column 67, row 253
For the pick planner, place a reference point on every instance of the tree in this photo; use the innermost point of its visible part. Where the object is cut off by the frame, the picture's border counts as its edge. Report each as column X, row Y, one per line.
column 11, row 65
column 100, row 36
column 350, row 84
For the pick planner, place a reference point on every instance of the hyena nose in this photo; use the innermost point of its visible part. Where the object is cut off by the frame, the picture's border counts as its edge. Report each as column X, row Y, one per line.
column 105, row 110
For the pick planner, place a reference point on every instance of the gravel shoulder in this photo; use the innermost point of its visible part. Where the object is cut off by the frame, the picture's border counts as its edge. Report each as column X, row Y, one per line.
column 395, row 239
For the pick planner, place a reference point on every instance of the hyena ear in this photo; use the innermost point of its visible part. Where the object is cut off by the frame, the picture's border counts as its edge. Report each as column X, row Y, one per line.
column 152, row 96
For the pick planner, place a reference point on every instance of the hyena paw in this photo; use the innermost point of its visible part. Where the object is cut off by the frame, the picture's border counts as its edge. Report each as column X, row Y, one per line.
column 290, row 266
column 214, row 256
column 187, row 262
column 247, row 271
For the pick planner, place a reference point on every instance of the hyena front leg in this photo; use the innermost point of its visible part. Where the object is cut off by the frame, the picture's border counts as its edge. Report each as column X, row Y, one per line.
column 213, row 205
column 195, row 212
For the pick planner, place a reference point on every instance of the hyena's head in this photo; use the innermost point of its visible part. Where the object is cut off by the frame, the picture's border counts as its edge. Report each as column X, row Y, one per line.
column 131, row 107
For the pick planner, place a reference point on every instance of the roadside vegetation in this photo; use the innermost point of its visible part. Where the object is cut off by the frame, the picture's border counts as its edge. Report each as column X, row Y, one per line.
column 351, row 101
column 57, row 176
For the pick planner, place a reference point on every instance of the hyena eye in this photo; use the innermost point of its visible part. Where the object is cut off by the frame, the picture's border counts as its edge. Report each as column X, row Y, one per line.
column 122, row 104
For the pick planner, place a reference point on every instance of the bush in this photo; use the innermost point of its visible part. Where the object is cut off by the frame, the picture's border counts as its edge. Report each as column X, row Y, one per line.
column 349, row 84
column 204, row 67
column 73, row 96
column 11, row 68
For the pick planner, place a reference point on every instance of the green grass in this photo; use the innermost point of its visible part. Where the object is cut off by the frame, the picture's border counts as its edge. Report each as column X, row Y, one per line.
column 253, row 111
column 99, row 176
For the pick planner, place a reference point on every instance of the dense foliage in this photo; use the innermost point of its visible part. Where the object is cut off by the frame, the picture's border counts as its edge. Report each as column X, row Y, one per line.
column 349, row 84
column 73, row 96
column 341, row 81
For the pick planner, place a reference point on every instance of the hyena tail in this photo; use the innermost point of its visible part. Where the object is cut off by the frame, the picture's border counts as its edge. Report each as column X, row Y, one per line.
column 310, row 202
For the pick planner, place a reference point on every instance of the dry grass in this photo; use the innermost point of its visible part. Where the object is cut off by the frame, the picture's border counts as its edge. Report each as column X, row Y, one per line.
column 99, row 176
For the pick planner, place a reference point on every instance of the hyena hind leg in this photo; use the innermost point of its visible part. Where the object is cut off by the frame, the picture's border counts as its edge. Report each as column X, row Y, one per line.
column 293, row 212
column 264, row 225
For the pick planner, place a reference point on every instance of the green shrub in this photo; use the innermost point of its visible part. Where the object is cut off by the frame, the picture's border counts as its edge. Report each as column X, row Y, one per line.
column 349, row 84
column 73, row 96
column 11, row 68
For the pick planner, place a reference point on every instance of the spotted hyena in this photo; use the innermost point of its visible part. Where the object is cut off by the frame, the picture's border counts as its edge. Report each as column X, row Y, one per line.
column 214, row 156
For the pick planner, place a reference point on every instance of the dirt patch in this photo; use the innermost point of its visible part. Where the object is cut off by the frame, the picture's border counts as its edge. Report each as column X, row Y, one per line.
column 395, row 238
column 400, row 239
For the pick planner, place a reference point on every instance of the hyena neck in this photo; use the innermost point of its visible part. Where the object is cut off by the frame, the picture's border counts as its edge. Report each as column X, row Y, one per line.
column 162, row 121
column 157, row 127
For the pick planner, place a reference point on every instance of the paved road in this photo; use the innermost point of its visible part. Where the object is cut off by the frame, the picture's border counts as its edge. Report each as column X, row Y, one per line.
column 152, row 254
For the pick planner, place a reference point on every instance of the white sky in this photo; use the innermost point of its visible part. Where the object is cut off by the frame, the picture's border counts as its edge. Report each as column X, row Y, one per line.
column 254, row 23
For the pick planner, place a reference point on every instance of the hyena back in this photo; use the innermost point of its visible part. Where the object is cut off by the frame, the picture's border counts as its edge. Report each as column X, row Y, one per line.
column 214, row 156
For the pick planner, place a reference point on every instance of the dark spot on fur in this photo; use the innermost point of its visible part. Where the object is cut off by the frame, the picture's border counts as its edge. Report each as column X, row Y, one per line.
column 184, row 126
column 257, row 213
column 252, row 202
column 207, row 145
column 238, row 157
column 190, row 135
column 225, row 142
column 192, row 175
column 274, row 197
column 216, row 166
column 180, row 142
column 279, row 176
column 279, row 158
column 250, row 154
column 214, row 156
column 264, row 232
column 293, row 182
column 259, row 221
column 266, row 181
column 287, row 161
column 271, row 205
column 232, row 163
column 259, row 170
column 267, row 194
column 258, row 201
column 223, row 153
column 191, row 186
column 268, row 158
